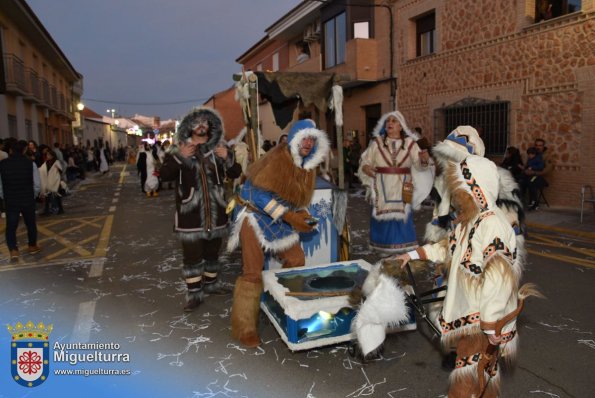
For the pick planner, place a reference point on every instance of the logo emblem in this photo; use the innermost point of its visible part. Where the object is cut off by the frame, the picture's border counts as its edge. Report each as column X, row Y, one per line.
column 30, row 353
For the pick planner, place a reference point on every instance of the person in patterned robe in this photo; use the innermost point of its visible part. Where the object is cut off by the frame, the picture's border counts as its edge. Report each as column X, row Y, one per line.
column 397, row 178
column 483, row 297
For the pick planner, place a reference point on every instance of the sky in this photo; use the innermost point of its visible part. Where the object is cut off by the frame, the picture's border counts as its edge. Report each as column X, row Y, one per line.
column 135, row 54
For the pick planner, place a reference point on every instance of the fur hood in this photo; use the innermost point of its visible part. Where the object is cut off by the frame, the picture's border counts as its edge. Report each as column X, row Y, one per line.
column 300, row 130
column 216, row 131
column 474, row 185
column 460, row 143
column 380, row 131
column 276, row 172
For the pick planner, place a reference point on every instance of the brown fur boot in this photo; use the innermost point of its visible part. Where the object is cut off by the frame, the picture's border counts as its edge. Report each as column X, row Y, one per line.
column 244, row 312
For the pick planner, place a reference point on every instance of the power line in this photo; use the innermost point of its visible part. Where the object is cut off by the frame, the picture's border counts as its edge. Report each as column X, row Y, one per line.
column 147, row 103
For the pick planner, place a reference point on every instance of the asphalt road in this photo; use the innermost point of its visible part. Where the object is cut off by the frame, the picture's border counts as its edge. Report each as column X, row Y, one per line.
column 110, row 272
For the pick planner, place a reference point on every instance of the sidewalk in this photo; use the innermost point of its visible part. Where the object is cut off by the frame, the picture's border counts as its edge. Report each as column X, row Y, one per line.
column 563, row 219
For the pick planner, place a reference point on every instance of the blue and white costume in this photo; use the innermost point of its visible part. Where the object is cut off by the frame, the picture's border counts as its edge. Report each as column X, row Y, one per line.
column 395, row 162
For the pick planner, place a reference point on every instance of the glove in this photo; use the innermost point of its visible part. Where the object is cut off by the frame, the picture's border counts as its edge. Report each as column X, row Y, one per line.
column 297, row 219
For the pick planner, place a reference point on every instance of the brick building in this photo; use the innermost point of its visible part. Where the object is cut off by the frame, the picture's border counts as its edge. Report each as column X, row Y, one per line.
column 229, row 109
column 511, row 68
column 504, row 68
column 39, row 87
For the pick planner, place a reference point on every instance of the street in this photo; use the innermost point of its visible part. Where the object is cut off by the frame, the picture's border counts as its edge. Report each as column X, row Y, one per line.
column 110, row 272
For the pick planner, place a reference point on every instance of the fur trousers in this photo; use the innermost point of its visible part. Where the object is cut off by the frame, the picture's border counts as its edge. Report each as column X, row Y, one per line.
column 464, row 379
column 253, row 255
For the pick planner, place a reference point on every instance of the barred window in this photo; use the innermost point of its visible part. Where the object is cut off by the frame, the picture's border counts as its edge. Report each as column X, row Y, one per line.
column 490, row 118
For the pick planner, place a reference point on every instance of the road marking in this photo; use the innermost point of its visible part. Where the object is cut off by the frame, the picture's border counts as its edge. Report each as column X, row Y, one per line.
column 564, row 258
column 96, row 269
column 84, row 320
column 65, row 242
column 547, row 241
column 101, row 249
column 112, row 209
column 67, row 249
column 123, row 174
column 117, row 193
column 115, row 200
column 582, row 234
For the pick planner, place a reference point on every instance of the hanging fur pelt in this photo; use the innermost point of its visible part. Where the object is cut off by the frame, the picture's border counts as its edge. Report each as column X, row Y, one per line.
column 385, row 306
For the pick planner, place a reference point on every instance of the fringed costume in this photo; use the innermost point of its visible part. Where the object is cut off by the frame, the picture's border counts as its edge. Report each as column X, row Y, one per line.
column 396, row 163
column 200, row 220
column 483, row 295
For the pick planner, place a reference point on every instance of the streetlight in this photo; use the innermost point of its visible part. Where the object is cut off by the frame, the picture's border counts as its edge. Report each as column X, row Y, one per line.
column 80, row 106
column 112, row 111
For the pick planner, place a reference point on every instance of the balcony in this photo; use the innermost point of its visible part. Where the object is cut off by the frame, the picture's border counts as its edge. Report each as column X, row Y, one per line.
column 15, row 75
column 34, row 85
column 45, row 92
column 361, row 61
column 310, row 65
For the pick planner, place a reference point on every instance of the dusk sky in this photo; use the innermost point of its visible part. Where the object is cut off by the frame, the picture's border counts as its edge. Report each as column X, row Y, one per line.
column 134, row 52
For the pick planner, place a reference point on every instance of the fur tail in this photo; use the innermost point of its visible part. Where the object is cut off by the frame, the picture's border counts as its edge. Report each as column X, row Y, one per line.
column 529, row 289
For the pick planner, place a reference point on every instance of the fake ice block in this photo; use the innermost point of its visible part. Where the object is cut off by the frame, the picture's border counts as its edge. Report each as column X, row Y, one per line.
column 309, row 306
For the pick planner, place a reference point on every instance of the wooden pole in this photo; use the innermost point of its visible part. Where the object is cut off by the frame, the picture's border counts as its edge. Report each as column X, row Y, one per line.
column 252, row 132
column 340, row 156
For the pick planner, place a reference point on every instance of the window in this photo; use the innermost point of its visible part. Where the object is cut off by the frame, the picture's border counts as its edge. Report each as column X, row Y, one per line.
column 259, row 68
column 548, row 9
column 275, row 62
column 425, row 32
column 303, row 52
column 490, row 118
column 335, row 37
column 361, row 30
column 12, row 126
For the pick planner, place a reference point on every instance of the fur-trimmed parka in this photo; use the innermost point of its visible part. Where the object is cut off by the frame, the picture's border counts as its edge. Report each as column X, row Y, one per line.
column 484, row 267
column 200, row 203
column 279, row 182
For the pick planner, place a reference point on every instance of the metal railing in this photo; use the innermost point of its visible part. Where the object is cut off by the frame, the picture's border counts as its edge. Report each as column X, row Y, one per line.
column 15, row 73
column 491, row 118
column 26, row 82
column 34, row 86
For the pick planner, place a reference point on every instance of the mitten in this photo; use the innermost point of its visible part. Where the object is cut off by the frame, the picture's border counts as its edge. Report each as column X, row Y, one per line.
column 298, row 220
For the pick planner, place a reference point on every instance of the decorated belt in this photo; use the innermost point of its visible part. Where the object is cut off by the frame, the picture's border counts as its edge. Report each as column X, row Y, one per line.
column 393, row 170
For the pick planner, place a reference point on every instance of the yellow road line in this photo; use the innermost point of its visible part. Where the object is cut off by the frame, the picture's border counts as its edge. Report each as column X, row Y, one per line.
column 582, row 234
column 122, row 175
column 74, row 228
column 560, row 236
column 65, row 242
column 101, row 248
column 564, row 258
column 67, row 249
column 547, row 241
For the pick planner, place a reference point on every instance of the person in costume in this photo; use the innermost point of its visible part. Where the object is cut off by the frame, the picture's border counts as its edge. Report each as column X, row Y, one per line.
column 271, row 213
column 397, row 177
column 199, row 165
column 483, row 298
column 456, row 147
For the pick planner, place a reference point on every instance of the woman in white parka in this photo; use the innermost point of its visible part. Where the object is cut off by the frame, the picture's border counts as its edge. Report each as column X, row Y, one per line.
column 50, row 175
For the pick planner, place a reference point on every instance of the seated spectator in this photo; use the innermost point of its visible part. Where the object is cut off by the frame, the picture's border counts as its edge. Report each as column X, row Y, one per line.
column 513, row 162
column 537, row 168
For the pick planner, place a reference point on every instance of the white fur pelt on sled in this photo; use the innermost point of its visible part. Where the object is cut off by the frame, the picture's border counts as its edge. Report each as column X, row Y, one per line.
column 385, row 306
